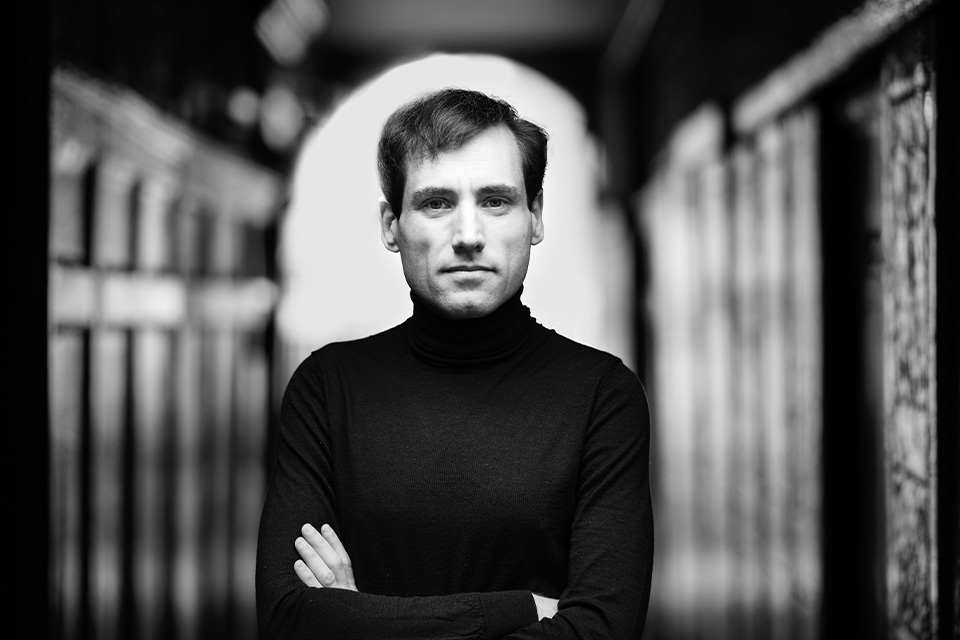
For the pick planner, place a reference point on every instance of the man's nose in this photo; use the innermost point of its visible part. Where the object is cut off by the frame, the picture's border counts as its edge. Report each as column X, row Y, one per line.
column 468, row 231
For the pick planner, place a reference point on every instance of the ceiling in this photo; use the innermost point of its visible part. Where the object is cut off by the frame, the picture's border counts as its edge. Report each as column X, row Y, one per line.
column 663, row 57
column 400, row 27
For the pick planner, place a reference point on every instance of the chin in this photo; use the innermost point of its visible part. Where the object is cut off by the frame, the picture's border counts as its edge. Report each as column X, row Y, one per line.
column 469, row 314
column 459, row 312
column 465, row 309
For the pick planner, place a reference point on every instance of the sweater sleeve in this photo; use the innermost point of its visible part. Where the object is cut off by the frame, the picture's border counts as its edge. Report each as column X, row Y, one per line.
column 611, row 543
column 302, row 489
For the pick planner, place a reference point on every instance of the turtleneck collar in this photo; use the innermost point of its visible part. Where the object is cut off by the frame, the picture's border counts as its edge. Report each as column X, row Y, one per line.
column 484, row 341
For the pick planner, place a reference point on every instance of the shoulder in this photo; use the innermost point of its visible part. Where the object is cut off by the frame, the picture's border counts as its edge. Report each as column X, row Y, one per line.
column 589, row 360
column 590, row 367
column 373, row 347
column 348, row 355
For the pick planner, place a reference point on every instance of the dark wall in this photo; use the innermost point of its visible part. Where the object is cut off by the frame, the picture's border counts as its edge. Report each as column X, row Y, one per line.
column 25, row 443
column 712, row 50
column 184, row 57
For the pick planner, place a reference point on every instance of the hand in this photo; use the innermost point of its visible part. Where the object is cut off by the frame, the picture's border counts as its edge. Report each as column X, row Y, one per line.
column 546, row 607
column 324, row 562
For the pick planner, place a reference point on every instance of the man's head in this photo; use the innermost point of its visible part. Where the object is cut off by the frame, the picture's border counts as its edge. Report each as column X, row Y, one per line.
column 446, row 120
column 458, row 207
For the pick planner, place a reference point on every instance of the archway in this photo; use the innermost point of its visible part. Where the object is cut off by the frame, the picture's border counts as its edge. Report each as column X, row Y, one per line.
column 340, row 283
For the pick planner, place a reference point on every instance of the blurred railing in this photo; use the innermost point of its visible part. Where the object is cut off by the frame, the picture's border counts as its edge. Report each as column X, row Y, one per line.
column 795, row 382
column 160, row 341
column 735, row 301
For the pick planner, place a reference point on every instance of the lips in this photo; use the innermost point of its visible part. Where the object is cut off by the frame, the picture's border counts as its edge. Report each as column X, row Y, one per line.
column 467, row 268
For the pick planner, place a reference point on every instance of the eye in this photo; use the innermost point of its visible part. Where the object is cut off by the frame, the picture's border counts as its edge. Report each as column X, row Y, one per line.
column 434, row 204
column 497, row 202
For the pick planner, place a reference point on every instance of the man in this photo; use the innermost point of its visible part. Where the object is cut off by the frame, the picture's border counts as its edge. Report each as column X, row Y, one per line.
column 468, row 473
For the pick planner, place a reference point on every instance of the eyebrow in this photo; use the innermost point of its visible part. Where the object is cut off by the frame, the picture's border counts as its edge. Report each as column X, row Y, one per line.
column 499, row 190
column 431, row 192
column 505, row 190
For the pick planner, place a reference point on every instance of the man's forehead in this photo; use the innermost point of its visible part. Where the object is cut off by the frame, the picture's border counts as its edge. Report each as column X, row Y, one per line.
column 491, row 150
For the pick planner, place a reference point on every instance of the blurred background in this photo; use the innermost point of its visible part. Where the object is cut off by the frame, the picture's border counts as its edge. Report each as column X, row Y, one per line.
column 753, row 204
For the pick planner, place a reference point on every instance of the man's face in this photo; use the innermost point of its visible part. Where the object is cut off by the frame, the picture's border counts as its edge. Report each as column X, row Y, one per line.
column 465, row 232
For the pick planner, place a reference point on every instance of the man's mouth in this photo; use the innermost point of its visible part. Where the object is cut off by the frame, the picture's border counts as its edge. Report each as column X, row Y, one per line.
column 467, row 268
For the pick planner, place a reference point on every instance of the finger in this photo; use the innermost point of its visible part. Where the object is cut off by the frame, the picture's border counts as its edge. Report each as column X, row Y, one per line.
column 306, row 576
column 315, row 563
column 334, row 541
column 327, row 553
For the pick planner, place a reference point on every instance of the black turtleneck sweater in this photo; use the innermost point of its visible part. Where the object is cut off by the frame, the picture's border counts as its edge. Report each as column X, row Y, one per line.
column 464, row 465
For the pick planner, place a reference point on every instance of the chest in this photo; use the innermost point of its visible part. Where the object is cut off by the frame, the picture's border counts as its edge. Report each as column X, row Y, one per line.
column 466, row 455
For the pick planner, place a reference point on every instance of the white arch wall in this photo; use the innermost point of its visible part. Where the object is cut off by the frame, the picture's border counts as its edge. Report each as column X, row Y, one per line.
column 340, row 282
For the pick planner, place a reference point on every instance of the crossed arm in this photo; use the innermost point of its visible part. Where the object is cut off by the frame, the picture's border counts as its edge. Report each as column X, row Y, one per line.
column 325, row 563
column 610, row 543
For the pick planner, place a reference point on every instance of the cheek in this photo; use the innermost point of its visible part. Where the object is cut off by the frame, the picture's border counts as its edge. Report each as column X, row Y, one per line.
column 519, row 244
column 519, row 258
column 417, row 238
column 415, row 258
column 412, row 260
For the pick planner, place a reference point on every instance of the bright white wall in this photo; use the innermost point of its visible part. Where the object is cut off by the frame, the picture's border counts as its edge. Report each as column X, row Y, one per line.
column 341, row 283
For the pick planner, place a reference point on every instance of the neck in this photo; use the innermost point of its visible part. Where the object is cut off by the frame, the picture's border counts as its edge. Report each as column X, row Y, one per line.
column 487, row 340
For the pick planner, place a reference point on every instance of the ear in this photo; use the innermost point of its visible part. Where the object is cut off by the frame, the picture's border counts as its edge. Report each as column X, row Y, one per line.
column 536, row 219
column 388, row 226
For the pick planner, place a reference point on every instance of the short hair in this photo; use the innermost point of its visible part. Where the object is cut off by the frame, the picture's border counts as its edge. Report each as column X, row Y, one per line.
column 447, row 119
